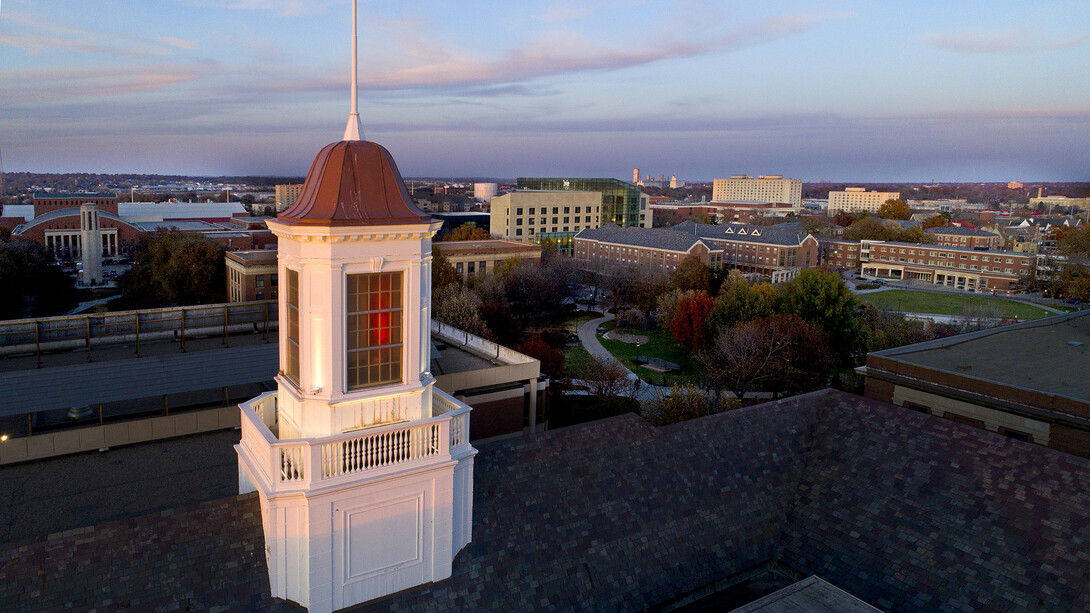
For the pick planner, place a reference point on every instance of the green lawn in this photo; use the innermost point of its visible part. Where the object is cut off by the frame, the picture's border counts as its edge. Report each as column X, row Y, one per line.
column 574, row 357
column 660, row 345
column 908, row 301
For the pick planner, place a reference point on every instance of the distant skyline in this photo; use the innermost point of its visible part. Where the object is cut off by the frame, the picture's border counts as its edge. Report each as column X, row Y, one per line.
column 840, row 90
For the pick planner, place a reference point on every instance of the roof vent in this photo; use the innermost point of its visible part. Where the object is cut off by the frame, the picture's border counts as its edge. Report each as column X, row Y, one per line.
column 965, row 366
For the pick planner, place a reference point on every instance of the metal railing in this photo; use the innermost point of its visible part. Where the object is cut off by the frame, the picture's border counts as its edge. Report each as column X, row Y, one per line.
column 65, row 333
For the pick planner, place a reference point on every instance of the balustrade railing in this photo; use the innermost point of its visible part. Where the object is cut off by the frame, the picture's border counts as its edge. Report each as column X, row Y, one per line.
column 286, row 464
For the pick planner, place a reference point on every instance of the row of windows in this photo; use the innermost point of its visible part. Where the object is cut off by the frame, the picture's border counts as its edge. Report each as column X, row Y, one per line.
column 556, row 210
column 530, row 221
column 942, row 254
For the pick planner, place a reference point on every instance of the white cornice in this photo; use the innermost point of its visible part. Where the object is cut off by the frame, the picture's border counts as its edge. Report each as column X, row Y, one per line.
column 353, row 234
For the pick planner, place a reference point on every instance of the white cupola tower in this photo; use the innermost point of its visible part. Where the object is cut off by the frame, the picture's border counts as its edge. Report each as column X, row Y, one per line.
column 364, row 470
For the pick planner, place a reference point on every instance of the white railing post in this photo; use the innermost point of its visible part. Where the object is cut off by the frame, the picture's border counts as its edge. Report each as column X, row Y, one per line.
column 444, row 437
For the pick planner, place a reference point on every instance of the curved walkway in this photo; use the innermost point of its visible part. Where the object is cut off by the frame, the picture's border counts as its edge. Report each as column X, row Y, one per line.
column 588, row 337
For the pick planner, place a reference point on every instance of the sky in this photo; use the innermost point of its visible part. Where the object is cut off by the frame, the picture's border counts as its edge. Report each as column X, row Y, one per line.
column 840, row 90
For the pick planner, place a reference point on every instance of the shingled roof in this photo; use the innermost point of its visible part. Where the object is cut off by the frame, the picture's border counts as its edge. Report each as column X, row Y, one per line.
column 654, row 238
column 905, row 511
column 787, row 234
column 959, row 231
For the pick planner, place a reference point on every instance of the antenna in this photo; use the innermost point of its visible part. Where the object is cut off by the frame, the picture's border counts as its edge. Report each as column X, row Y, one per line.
column 352, row 131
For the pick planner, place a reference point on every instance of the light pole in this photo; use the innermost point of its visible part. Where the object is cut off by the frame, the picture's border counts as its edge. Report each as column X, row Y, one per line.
column 637, row 353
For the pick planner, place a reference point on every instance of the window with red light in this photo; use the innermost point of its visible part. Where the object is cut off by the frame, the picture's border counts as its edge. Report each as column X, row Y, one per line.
column 374, row 343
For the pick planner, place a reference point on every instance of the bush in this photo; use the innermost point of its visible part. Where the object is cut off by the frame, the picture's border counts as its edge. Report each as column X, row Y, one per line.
column 631, row 318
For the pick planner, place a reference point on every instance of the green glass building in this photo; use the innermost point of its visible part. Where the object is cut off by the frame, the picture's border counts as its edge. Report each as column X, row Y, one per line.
column 620, row 200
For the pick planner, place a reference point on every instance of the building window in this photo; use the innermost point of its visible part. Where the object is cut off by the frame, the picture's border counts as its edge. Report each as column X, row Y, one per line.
column 259, row 281
column 374, row 343
column 291, row 368
column 272, row 279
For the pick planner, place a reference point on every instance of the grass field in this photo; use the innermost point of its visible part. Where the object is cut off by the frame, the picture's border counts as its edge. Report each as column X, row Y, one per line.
column 908, row 301
column 660, row 345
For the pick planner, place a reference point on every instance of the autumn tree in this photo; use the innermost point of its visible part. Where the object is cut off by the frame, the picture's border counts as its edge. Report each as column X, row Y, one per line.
column 872, row 228
column 682, row 403
column 844, row 219
column 691, row 274
column 740, row 359
column 1074, row 241
column 806, row 363
column 688, row 325
column 467, row 232
column 935, row 221
column 551, row 358
column 895, row 209
column 175, row 268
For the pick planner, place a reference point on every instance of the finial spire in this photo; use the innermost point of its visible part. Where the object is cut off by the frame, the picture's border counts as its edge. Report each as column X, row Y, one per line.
column 352, row 131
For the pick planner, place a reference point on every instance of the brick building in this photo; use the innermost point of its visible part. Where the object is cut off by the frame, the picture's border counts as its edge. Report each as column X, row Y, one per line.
column 471, row 258
column 973, row 238
column 49, row 202
column 251, row 275
column 652, row 248
column 962, row 268
column 839, row 254
column 989, row 380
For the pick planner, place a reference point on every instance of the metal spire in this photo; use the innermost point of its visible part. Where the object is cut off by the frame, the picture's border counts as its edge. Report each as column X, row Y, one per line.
column 352, row 131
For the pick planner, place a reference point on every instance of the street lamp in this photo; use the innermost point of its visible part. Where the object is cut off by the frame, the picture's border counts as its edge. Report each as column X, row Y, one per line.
column 637, row 353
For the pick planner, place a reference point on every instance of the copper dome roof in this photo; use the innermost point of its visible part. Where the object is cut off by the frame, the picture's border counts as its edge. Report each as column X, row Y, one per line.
column 353, row 183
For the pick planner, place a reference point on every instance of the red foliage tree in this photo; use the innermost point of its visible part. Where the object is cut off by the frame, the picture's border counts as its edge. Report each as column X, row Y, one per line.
column 687, row 326
column 552, row 359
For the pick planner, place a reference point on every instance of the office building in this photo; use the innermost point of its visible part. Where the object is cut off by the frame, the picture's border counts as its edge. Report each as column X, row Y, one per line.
column 251, row 275
column 532, row 216
column 621, row 202
column 765, row 188
column 963, row 268
column 855, row 200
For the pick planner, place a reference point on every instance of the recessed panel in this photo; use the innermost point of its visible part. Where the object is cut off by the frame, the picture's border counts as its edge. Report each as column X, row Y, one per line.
column 383, row 537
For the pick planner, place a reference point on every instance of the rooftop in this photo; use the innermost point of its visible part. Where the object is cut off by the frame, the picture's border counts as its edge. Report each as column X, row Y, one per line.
column 253, row 257
column 463, row 247
column 654, row 238
column 959, row 231
column 901, row 510
column 1058, row 363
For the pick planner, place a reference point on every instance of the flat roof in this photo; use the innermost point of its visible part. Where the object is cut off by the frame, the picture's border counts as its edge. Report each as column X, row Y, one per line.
column 453, row 247
column 1050, row 355
column 253, row 256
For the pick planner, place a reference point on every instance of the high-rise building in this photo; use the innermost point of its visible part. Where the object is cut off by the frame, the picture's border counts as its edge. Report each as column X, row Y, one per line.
column 765, row 188
column 286, row 195
column 635, row 175
column 858, row 199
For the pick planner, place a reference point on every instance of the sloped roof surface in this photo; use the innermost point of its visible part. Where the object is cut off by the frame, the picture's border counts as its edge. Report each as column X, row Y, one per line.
column 905, row 511
column 353, row 183
column 655, row 238
column 957, row 230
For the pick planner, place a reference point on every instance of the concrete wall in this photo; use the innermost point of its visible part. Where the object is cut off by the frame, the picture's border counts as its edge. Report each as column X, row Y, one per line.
column 78, row 440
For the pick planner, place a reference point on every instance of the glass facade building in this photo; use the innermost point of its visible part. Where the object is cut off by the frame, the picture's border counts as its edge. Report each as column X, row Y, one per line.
column 620, row 200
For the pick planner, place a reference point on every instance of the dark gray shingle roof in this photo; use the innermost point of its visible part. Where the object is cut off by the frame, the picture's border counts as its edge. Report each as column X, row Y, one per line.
column 959, row 231
column 655, row 238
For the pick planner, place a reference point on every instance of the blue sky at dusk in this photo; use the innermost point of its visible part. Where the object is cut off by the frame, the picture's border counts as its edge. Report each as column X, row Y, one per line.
column 864, row 90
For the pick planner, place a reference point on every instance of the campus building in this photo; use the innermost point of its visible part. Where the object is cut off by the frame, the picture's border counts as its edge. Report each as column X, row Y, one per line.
column 857, row 199
column 472, row 258
column 1025, row 381
column 621, row 203
column 765, row 188
column 532, row 216
column 972, row 270
column 839, row 254
column 657, row 249
column 973, row 238
column 776, row 252
column 251, row 275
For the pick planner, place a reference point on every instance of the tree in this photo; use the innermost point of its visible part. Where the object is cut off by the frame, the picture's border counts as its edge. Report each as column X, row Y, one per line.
column 689, row 322
column 740, row 358
column 682, row 403
column 175, row 268
column 844, row 219
column 466, row 232
column 1072, row 241
column 459, row 307
column 916, row 235
column 935, row 221
column 822, row 299
column 691, row 274
column 442, row 271
column 33, row 285
column 606, row 378
column 805, row 365
column 738, row 302
column 895, row 209
column 551, row 358
column 872, row 228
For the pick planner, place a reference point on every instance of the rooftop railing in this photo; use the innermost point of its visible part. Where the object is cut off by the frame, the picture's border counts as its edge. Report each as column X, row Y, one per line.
column 296, row 464
column 45, row 334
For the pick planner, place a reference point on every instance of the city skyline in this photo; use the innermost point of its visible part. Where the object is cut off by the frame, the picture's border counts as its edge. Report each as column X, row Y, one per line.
column 846, row 91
